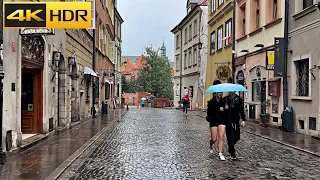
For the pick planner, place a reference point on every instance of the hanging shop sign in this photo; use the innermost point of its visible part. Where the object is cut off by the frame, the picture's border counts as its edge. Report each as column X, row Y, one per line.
column 270, row 60
column 223, row 72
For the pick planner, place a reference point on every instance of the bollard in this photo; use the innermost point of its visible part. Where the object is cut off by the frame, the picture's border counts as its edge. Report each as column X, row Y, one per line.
column 127, row 107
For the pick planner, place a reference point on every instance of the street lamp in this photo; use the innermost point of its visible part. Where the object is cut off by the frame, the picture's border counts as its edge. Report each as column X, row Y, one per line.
column 125, row 63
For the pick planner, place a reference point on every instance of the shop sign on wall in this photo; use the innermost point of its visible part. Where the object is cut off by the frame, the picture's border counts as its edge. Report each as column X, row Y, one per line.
column 223, row 72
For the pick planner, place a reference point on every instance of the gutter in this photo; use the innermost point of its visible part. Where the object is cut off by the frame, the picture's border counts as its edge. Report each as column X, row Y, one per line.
column 233, row 41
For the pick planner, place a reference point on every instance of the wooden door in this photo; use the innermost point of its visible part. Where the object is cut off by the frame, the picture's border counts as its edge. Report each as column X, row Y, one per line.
column 31, row 101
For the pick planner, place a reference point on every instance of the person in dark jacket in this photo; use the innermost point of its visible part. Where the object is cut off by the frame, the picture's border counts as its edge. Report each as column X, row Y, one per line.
column 234, row 113
column 215, row 116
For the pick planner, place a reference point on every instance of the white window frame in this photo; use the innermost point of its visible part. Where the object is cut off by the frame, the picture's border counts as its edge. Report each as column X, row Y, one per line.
column 228, row 30
column 213, row 6
column 219, row 38
column 220, row 2
column 212, row 42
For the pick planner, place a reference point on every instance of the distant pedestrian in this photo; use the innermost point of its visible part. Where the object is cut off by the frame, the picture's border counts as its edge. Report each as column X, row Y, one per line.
column 215, row 117
column 234, row 113
column 143, row 101
column 149, row 102
column 185, row 102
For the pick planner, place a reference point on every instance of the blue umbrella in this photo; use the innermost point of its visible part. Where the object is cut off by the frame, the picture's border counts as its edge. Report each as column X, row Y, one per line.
column 226, row 87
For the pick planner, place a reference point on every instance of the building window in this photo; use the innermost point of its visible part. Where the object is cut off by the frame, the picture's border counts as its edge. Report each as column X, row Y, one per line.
column 307, row 3
column 258, row 13
column 213, row 6
column 194, row 56
column 219, row 44
column 195, row 28
column 256, row 91
column 190, row 31
column 302, row 77
column 177, row 63
column 275, row 9
column 220, row 2
column 186, row 35
column 177, row 42
column 228, row 32
column 244, row 25
column 185, row 60
column 190, row 58
column 212, row 41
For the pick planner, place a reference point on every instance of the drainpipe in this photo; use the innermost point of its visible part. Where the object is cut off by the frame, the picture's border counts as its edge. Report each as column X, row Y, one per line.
column 233, row 40
column 93, row 68
column 58, row 109
column 181, row 55
column 2, row 154
column 286, row 39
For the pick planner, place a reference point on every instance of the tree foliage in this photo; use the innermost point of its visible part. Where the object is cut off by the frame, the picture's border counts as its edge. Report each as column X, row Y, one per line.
column 155, row 75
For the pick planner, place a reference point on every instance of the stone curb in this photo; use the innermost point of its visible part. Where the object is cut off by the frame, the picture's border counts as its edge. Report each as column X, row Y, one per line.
column 60, row 169
column 277, row 141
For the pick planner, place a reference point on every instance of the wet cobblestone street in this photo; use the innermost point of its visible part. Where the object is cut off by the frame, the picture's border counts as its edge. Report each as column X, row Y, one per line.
column 164, row 144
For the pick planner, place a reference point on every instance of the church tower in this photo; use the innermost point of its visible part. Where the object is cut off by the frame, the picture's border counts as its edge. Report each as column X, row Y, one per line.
column 163, row 50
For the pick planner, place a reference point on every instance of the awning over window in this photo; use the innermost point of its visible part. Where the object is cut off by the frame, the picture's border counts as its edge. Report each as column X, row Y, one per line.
column 89, row 71
column 274, row 79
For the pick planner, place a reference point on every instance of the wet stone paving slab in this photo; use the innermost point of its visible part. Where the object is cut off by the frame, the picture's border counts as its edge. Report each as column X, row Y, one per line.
column 165, row 144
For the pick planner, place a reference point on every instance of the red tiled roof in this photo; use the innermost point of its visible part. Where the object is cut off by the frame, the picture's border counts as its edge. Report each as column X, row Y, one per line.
column 140, row 62
column 203, row 3
column 128, row 67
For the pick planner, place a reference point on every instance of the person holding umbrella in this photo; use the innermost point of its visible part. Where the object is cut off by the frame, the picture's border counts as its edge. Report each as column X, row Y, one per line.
column 234, row 112
column 231, row 111
column 215, row 117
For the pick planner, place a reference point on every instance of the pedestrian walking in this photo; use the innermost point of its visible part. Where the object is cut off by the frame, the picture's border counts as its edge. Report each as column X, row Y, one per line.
column 143, row 101
column 215, row 117
column 185, row 102
column 149, row 102
column 234, row 112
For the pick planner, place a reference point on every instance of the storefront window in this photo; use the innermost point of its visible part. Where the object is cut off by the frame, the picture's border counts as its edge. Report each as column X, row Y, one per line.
column 256, row 91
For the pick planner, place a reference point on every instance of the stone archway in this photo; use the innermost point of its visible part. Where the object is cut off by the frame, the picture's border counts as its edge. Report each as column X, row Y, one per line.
column 62, row 92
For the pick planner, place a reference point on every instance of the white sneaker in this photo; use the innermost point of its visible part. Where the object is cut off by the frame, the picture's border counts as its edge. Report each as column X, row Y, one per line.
column 211, row 151
column 222, row 158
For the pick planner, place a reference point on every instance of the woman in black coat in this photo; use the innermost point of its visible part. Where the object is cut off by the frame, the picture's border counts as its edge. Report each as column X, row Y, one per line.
column 215, row 116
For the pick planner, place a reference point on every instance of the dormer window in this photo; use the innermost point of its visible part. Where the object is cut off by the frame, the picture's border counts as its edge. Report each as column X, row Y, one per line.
column 189, row 9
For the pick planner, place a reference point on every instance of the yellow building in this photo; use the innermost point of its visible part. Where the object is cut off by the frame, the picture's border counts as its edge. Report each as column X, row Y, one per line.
column 219, row 61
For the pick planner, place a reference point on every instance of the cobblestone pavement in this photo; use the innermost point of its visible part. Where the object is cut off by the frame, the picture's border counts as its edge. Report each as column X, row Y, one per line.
column 164, row 144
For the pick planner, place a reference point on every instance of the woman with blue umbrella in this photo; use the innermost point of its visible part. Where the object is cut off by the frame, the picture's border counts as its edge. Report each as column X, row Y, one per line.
column 215, row 117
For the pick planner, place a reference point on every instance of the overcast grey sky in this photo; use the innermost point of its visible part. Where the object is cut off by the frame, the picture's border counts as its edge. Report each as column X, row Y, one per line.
column 146, row 22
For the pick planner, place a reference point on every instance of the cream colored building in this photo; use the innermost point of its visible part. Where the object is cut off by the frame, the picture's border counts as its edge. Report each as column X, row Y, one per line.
column 118, row 53
column 258, row 22
column 187, row 53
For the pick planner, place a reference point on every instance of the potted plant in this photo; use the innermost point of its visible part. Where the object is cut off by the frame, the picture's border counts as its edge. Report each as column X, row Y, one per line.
column 264, row 115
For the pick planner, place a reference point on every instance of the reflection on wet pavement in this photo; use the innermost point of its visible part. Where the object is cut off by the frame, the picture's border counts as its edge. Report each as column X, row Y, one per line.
column 164, row 144
column 39, row 161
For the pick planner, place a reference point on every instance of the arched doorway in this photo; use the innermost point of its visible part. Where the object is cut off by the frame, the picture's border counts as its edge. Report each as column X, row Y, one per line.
column 32, row 60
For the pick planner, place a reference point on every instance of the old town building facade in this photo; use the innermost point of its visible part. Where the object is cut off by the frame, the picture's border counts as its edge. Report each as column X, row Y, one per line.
column 219, row 56
column 303, row 65
column 188, row 46
column 49, row 74
column 258, row 22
